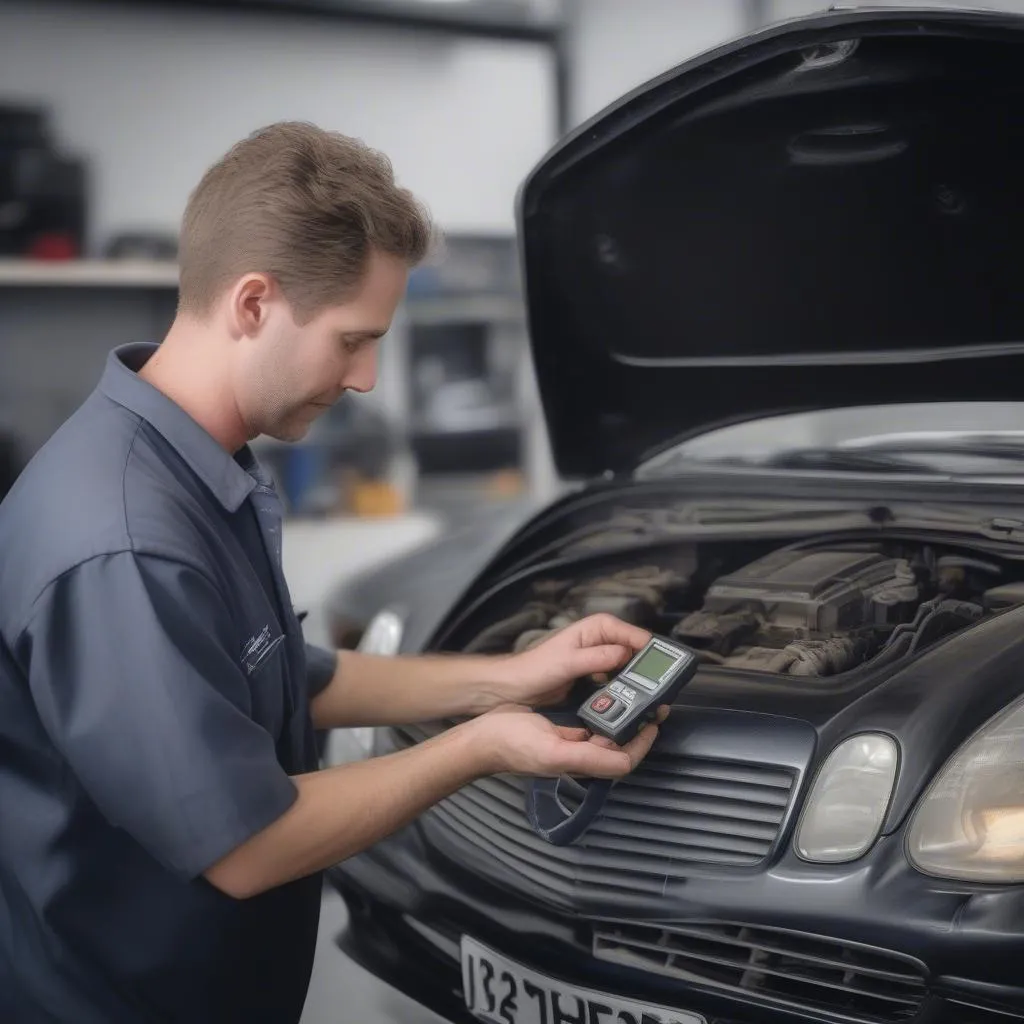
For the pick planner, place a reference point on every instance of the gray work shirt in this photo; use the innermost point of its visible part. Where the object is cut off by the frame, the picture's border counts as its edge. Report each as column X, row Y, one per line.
column 154, row 700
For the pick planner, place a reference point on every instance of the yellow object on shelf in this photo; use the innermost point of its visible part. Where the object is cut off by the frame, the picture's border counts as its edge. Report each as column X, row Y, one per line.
column 506, row 483
column 375, row 498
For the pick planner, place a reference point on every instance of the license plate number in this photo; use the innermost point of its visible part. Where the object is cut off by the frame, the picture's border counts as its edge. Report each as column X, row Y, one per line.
column 501, row 991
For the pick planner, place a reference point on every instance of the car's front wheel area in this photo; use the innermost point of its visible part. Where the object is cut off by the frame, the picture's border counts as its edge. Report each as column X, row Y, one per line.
column 383, row 942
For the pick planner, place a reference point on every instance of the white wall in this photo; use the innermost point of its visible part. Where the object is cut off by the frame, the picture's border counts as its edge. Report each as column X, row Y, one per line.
column 154, row 95
column 619, row 44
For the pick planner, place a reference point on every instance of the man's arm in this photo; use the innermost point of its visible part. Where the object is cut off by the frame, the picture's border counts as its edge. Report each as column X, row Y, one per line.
column 374, row 690
column 369, row 689
column 340, row 811
column 132, row 665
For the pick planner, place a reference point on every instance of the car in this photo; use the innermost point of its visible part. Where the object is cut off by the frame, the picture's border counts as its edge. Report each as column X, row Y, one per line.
column 776, row 312
column 11, row 462
column 411, row 580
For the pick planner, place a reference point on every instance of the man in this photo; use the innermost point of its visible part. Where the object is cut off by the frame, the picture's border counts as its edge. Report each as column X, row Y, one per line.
column 163, row 819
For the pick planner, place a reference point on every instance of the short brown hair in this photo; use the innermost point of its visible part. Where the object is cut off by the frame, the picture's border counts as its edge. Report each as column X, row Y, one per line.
column 306, row 206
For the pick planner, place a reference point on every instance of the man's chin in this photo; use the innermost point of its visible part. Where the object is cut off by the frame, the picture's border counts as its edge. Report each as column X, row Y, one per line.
column 296, row 426
column 290, row 432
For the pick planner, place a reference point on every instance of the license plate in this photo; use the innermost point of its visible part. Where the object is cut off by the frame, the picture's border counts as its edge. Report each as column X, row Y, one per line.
column 500, row 991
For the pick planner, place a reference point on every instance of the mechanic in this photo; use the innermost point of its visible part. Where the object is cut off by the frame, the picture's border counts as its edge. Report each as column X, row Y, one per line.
column 164, row 818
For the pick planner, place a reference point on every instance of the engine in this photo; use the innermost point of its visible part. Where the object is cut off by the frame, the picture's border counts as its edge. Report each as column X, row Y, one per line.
column 799, row 611
column 803, row 612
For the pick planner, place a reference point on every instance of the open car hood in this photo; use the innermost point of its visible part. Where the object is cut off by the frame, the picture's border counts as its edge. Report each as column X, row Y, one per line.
column 828, row 212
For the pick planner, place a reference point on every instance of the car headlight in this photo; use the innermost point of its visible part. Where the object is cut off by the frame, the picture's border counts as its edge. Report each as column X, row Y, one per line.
column 970, row 823
column 383, row 635
column 344, row 746
column 848, row 800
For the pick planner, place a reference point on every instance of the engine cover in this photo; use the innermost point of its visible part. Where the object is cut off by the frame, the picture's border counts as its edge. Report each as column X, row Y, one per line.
column 800, row 611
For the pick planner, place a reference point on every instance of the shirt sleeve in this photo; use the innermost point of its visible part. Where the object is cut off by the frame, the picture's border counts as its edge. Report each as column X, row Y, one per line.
column 321, row 665
column 134, row 668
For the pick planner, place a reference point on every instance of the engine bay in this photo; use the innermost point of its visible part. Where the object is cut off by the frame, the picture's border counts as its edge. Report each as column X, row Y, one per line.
column 811, row 608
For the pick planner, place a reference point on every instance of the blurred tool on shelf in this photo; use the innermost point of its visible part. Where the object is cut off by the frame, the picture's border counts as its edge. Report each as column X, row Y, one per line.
column 43, row 191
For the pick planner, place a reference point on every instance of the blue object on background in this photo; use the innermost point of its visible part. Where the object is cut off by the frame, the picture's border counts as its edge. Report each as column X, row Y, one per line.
column 303, row 468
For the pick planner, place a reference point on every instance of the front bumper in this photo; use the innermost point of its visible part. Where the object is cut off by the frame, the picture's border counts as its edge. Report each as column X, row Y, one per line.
column 410, row 905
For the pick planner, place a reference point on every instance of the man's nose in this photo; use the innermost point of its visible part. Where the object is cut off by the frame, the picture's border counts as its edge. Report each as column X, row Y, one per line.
column 362, row 376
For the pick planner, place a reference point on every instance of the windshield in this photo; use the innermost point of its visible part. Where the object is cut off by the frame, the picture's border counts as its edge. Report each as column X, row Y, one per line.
column 942, row 438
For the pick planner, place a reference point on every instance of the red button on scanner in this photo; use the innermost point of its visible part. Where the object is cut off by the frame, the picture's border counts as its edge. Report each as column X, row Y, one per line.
column 602, row 703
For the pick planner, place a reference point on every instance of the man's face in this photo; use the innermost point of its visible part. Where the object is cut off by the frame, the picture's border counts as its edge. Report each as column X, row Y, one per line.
column 292, row 374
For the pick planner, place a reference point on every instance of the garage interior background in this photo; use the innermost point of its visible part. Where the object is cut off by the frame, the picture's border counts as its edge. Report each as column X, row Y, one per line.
column 111, row 110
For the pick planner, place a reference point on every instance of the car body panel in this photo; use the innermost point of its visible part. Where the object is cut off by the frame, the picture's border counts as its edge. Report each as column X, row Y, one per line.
column 422, row 583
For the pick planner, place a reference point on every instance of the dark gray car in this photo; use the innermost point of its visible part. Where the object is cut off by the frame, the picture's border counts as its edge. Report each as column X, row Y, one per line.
column 777, row 319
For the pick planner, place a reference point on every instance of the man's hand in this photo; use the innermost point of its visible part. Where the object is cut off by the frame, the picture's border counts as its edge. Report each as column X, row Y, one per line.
column 595, row 646
column 525, row 743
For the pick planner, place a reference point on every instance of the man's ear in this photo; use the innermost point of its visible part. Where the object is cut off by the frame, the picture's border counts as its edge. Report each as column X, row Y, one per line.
column 249, row 304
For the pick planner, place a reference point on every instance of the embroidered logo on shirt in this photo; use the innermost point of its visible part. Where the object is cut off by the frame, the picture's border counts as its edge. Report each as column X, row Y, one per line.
column 259, row 648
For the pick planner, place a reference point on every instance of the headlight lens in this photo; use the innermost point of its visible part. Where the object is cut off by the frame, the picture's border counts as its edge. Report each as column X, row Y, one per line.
column 344, row 746
column 970, row 824
column 848, row 800
column 382, row 636
column 384, row 633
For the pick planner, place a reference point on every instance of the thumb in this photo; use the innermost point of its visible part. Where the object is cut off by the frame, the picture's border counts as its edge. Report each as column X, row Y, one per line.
column 590, row 761
column 601, row 658
column 608, row 762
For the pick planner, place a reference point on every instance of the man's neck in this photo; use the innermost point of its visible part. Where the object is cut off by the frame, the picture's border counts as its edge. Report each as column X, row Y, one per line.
column 191, row 368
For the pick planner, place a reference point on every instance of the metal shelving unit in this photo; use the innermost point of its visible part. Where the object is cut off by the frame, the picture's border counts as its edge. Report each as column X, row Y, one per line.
column 95, row 273
column 59, row 318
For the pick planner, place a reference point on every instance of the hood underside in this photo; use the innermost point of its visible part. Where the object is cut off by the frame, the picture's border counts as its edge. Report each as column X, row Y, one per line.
column 827, row 213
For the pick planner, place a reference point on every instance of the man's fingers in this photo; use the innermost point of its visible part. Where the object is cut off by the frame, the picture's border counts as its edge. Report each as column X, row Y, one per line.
column 602, row 628
column 639, row 746
column 603, row 741
column 594, row 762
column 603, row 658
column 601, row 759
column 571, row 732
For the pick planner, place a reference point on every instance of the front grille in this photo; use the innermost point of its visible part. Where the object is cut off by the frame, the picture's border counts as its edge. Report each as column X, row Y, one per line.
column 805, row 971
column 970, row 1013
column 670, row 817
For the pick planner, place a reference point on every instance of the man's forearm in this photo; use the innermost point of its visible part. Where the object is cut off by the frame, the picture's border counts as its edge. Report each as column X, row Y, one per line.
column 341, row 811
column 372, row 690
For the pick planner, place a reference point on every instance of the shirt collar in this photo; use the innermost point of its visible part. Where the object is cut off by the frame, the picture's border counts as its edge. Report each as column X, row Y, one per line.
column 222, row 474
